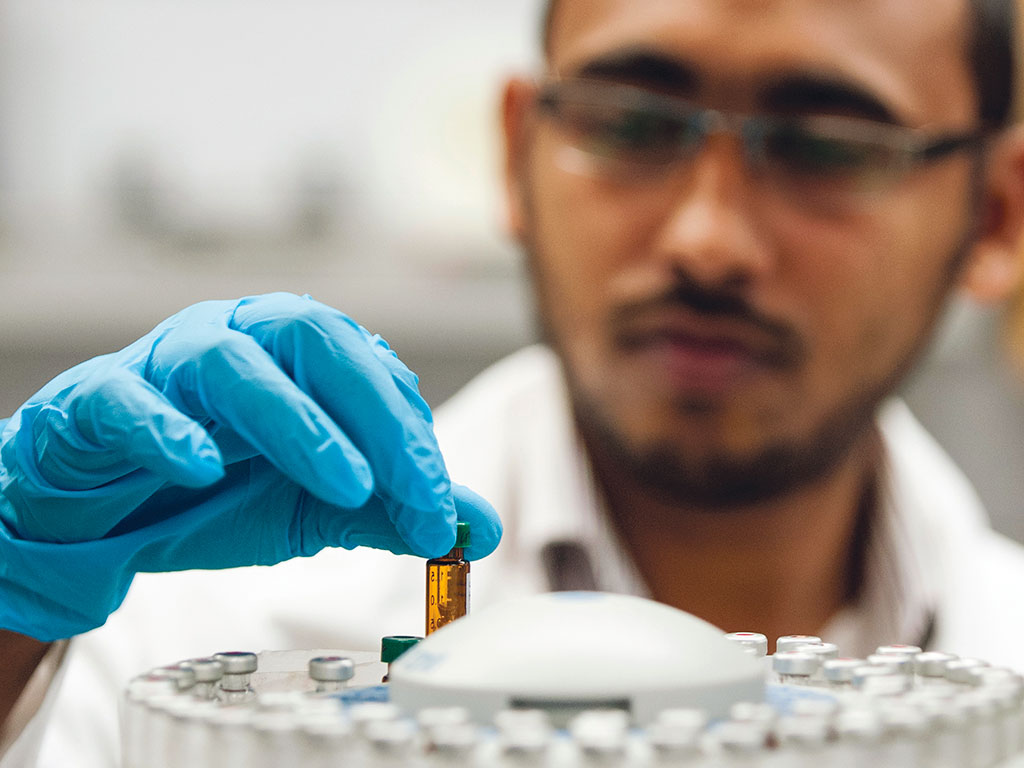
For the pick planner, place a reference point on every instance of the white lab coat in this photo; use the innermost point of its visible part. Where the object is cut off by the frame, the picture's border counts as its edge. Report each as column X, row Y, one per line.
column 508, row 435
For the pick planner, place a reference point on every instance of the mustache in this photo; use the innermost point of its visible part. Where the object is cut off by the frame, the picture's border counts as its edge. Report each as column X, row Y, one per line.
column 774, row 341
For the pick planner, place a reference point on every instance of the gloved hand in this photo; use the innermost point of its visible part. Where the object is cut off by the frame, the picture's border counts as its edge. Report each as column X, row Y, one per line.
column 235, row 433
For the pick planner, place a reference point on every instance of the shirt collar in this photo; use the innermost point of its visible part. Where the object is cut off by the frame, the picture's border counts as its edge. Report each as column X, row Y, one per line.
column 896, row 601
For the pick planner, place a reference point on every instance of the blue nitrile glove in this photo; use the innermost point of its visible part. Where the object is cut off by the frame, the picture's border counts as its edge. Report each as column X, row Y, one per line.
column 235, row 433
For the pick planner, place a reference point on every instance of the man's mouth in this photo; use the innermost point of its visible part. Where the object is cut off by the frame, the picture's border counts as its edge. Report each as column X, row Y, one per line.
column 705, row 354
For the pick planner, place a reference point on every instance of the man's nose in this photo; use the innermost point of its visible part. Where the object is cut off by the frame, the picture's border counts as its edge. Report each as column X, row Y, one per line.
column 710, row 230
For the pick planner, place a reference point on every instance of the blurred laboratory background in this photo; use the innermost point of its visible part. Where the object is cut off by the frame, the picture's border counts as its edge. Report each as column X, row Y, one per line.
column 155, row 153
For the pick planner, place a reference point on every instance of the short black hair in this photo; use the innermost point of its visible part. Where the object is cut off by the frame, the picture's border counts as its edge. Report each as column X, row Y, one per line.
column 991, row 54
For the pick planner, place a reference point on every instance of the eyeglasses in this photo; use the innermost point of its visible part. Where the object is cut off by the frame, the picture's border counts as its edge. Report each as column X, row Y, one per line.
column 632, row 135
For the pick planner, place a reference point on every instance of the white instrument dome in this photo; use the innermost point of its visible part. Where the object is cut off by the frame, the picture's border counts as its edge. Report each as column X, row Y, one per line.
column 566, row 652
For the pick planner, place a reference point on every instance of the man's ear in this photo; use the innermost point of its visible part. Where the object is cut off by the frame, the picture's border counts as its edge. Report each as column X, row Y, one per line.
column 516, row 120
column 994, row 266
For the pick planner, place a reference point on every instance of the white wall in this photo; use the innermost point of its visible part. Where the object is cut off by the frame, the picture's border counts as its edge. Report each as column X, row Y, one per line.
column 158, row 152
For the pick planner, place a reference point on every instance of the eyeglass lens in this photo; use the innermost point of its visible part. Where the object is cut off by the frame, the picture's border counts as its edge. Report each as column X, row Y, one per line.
column 629, row 136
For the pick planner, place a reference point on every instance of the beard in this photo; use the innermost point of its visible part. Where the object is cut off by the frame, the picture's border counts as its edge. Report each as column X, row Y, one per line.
column 676, row 476
column 680, row 476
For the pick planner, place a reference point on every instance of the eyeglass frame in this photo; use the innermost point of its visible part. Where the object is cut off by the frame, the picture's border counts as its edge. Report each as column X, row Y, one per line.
column 910, row 147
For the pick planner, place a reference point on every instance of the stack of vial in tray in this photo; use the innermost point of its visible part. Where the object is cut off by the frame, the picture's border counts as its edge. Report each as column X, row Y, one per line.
column 900, row 707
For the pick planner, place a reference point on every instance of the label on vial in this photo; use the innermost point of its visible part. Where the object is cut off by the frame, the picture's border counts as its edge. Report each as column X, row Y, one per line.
column 447, row 593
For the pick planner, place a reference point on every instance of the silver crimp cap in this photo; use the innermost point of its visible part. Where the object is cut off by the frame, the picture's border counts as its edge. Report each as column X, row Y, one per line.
column 237, row 662
column 898, row 650
column 796, row 663
column 331, row 669
column 238, row 666
column 932, row 663
column 753, row 643
column 840, row 670
column 206, row 670
column 791, row 642
column 822, row 650
column 963, row 671
column 902, row 664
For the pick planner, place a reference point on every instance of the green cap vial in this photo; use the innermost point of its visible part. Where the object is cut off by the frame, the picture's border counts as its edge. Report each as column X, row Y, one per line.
column 462, row 537
column 393, row 646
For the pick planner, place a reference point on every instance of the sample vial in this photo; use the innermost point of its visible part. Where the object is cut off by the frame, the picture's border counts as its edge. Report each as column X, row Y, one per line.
column 450, row 744
column 824, row 707
column 136, row 717
column 393, row 646
column 878, row 679
column 323, row 739
column 759, row 713
column 673, row 747
column 233, row 686
column 898, row 650
column 902, row 664
column 791, row 642
column 277, row 740
column 839, row 672
column 1007, row 698
column 962, row 671
column 822, row 650
column 231, row 742
column 184, row 740
column 753, row 643
column 524, row 745
column 184, row 677
column 951, row 745
column 448, row 584
column 930, row 666
column 795, row 667
column 600, row 736
column 595, row 748
column 906, row 731
column 802, row 739
column 440, row 717
column 859, row 734
column 982, row 718
column 522, row 720
column 740, row 743
column 208, row 672
column 330, row 673
column 390, row 743
column 680, row 719
column 364, row 713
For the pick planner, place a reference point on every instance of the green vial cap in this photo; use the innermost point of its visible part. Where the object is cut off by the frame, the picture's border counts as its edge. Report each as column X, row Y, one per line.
column 462, row 538
column 393, row 646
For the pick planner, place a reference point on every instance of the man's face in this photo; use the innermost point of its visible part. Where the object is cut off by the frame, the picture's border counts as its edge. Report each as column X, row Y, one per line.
column 728, row 340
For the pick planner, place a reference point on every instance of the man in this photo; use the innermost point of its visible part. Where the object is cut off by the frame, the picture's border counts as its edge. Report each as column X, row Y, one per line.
column 732, row 298
column 742, row 219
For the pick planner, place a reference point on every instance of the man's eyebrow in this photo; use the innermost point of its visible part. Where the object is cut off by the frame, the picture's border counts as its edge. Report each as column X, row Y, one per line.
column 640, row 66
column 825, row 93
column 793, row 92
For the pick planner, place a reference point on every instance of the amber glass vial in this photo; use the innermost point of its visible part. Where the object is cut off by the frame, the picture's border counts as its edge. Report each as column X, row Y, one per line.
column 448, row 584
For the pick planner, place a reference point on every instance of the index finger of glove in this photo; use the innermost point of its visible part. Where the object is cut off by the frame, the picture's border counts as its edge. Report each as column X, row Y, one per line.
column 370, row 526
column 228, row 378
column 333, row 360
column 406, row 381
